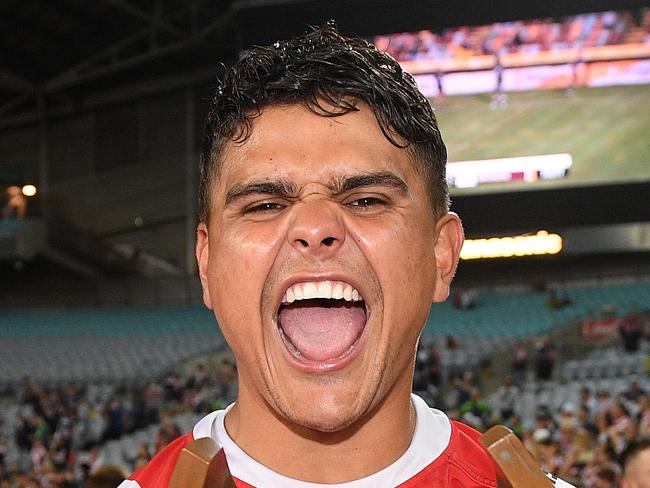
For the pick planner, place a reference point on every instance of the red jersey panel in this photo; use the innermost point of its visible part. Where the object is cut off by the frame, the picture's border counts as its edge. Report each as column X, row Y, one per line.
column 463, row 464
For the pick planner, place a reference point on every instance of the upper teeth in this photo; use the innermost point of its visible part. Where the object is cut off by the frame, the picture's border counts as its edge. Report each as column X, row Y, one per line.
column 321, row 289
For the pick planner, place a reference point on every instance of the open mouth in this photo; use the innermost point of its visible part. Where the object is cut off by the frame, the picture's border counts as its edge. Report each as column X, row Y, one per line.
column 322, row 321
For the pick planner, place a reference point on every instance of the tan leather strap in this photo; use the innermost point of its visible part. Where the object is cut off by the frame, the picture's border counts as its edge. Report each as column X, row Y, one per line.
column 201, row 464
column 515, row 462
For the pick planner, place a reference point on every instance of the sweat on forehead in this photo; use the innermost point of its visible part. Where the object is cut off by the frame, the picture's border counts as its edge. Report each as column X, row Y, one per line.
column 328, row 73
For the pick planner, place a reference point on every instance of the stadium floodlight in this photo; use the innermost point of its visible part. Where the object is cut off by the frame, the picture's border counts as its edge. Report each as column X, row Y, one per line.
column 29, row 190
column 536, row 244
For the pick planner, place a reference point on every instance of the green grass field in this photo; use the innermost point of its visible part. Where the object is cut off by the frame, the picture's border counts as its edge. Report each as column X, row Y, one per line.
column 606, row 130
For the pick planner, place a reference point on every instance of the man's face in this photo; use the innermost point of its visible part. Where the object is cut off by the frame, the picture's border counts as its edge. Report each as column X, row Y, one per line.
column 327, row 210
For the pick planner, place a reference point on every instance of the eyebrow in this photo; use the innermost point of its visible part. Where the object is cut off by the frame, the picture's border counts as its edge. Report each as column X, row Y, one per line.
column 285, row 188
column 380, row 178
column 280, row 187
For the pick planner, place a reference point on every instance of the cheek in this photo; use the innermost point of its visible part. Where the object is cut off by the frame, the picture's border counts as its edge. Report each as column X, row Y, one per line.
column 240, row 261
column 243, row 250
column 405, row 268
column 401, row 255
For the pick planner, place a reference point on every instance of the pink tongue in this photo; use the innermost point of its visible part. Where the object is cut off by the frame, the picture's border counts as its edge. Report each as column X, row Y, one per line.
column 320, row 332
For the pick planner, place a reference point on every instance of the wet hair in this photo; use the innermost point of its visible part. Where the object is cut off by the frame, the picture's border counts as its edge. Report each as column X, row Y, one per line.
column 328, row 73
column 634, row 448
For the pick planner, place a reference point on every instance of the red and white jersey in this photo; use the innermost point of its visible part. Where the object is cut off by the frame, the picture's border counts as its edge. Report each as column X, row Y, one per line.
column 442, row 454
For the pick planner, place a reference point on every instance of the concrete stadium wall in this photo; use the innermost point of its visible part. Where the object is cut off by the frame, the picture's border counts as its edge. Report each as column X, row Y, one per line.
column 122, row 172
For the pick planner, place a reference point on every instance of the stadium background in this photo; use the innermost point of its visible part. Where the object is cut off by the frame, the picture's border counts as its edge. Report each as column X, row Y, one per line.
column 101, row 324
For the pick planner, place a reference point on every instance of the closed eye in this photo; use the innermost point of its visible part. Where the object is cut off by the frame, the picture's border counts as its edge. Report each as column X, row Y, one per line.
column 365, row 202
column 264, row 207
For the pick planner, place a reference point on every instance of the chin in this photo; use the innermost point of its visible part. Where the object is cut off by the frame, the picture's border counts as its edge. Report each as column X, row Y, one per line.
column 323, row 413
column 325, row 422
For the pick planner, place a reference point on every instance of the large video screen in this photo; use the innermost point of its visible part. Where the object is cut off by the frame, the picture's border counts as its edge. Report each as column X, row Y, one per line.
column 547, row 139
column 537, row 103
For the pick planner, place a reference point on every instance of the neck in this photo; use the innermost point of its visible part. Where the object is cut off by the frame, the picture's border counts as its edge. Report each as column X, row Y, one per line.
column 308, row 455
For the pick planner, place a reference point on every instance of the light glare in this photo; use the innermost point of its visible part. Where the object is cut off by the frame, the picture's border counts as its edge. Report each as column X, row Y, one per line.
column 29, row 190
column 504, row 247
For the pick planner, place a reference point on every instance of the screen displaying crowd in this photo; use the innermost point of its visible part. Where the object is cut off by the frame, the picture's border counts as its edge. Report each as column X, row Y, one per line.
column 524, row 36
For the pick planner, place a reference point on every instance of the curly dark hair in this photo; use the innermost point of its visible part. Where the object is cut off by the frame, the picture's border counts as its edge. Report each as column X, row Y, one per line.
column 329, row 73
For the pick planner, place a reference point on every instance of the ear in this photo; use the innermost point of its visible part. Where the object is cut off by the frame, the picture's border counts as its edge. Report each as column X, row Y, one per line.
column 449, row 239
column 202, row 259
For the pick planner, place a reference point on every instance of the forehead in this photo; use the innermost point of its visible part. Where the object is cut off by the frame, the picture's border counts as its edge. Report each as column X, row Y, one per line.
column 293, row 142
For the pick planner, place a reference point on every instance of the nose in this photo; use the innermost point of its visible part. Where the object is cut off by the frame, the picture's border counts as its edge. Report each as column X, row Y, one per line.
column 317, row 229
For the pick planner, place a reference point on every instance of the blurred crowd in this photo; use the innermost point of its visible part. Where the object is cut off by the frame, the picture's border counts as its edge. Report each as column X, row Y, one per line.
column 59, row 431
column 584, row 30
column 583, row 442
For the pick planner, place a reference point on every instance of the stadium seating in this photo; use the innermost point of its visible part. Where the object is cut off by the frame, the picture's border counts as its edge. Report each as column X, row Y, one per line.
column 518, row 314
column 605, row 364
column 132, row 346
column 118, row 346
column 122, row 451
column 607, row 369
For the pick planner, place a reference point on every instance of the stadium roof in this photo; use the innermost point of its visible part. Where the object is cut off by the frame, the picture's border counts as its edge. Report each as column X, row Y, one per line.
column 55, row 53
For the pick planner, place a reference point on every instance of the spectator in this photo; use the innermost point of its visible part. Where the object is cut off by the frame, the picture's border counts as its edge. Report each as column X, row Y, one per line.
column 620, row 424
column 153, row 396
column 549, row 455
column 465, row 299
column 37, row 453
column 106, row 477
column 427, row 367
column 545, row 359
column 605, row 478
column 116, row 420
column 138, row 410
column 142, row 457
column 585, row 419
column 604, row 402
column 519, row 364
column 643, row 403
column 604, row 458
column 168, row 432
column 24, row 432
column 588, row 401
column 199, row 379
column 631, row 334
column 475, row 411
column 554, row 301
column 507, row 397
column 633, row 390
column 172, row 388
column 16, row 204
column 461, row 388
column 578, row 454
column 227, row 381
